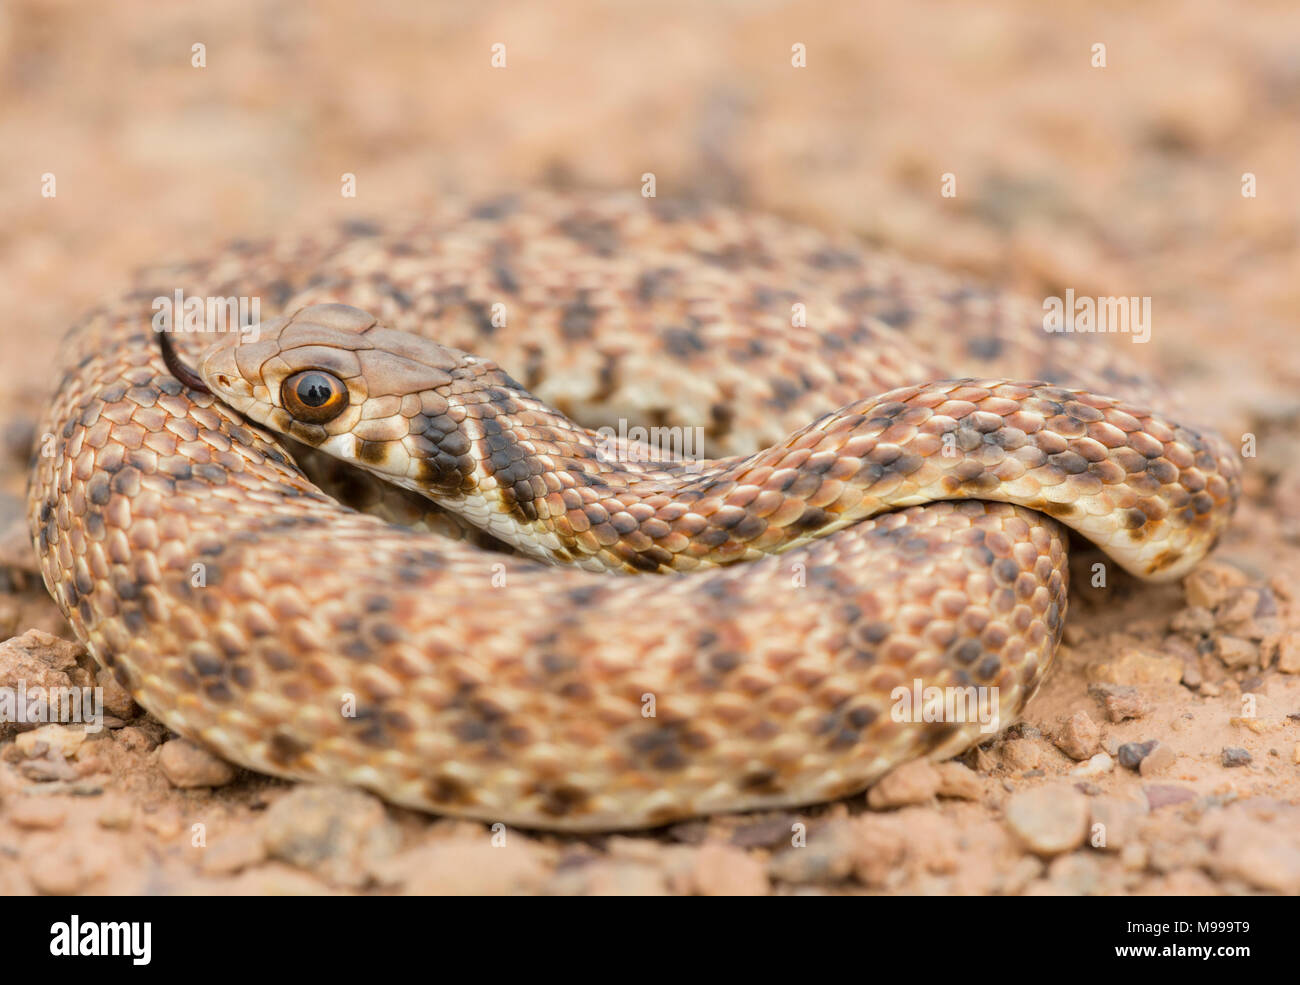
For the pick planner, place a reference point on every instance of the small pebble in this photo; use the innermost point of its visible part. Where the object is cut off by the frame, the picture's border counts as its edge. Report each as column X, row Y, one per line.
column 187, row 765
column 1078, row 736
column 233, row 854
column 827, row 857
column 60, row 740
column 1157, row 761
column 1257, row 725
column 1236, row 756
column 1133, row 665
column 164, row 826
column 1237, row 611
column 465, row 866
column 116, row 816
column 916, row 782
column 1098, row 765
column 724, row 870
column 1072, row 875
column 1049, row 820
column 1115, row 822
column 1194, row 621
column 1133, row 856
column 1023, row 872
column 337, row 833
column 135, row 739
column 117, row 699
column 1236, row 652
column 1163, row 795
column 1288, row 652
column 958, row 782
column 37, row 814
column 48, row 770
column 1121, row 702
column 59, row 873
column 1209, row 584
column 1131, row 754
column 1021, row 754
column 1265, row 856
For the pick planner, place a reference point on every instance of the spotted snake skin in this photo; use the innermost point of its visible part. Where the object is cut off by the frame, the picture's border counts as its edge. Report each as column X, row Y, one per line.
column 627, row 642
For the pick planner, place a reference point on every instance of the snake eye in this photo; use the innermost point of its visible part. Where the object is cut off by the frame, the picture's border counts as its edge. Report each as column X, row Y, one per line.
column 314, row 396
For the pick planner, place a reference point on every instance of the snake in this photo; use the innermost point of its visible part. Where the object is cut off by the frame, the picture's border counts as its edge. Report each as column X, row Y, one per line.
column 341, row 543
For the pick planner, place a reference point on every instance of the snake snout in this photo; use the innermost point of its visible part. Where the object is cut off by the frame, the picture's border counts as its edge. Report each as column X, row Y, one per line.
column 219, row 368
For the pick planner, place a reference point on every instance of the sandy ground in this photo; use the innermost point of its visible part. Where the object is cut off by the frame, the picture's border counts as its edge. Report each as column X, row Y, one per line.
column 1125, row 178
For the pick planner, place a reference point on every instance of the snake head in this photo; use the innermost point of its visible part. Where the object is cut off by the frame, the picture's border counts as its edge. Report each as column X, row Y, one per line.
column 330, row 376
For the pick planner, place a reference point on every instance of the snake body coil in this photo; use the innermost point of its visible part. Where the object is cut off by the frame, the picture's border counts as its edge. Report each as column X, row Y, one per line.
column 905, row 540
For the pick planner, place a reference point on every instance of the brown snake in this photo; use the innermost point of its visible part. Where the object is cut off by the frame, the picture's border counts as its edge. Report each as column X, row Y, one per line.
column 806, row 573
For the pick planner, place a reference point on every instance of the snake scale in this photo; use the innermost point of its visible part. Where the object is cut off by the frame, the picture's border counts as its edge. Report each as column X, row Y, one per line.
column 371, row 555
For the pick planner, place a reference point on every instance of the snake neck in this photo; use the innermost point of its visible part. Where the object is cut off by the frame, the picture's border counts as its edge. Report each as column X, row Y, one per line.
column 531, row 477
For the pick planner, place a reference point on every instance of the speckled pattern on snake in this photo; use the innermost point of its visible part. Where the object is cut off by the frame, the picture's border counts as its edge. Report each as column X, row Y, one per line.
column 883, row 504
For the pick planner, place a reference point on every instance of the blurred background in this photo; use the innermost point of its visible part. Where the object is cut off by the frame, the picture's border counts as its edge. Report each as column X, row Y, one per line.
column 1094, row 146
column 1123, row 179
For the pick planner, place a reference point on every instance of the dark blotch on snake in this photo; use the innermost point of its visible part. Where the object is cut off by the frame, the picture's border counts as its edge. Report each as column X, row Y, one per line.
column 284, row 750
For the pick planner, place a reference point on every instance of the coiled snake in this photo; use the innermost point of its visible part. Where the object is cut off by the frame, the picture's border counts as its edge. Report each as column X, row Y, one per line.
column 908, row 534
